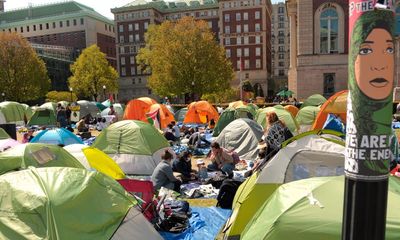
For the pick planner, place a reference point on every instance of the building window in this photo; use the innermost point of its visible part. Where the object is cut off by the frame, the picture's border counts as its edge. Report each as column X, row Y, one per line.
column 238, row 29
column 121, row 50
column 280, row 9
column 228, row 53
column 258, row 39
column 123, row 71
column 246, row 64
column 130, row 27
column 136, row 26
column 130, row 37
column 239, row 41
column 246, row 40
column 257, row 15
column 133, row 80
column 329, row 84
column 245, row 28
column 74, row 21
column 245, row 16
column 238, row 16
column 122, row 60
column 227, row 17
column 34, row 27
column 137, row 38
column 121, row 39
column 40, row 26
column 258, row 63
column 61, row 24
column 227, row 29
column 246, row 52
column 238, row 52
column 82, row 21
column 47, row 25
column 133, row 72
column 281, row 18
column 281, row 34
column 281, row 41
column 227, row 41
column 146, row 25
column 121, row 28
column 329, row 28
column 132, row 49
column 238, row 65
column 281, row 72
column 257, row 27
column 281, row 25
column 281, row 48
column 27, row 28
column 281, row 56
column 281, row 64
column 67, row 23
column 132, row 59
column 258, row 51
column 139, row 80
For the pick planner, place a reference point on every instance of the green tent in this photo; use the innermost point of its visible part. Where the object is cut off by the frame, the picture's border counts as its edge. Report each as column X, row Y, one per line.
column 307, row 155
column 28, row 111
column 4, row 134
column 43, row 117
column 135, row 145
column 314, row 100
column 229, row 115
column 37, row 155
column 312, row 209
column 13, row 112
column 49, row 105
column 67, row 203
column 283, row 115
column 306, row 117
column 87, row 108
column 180, row 114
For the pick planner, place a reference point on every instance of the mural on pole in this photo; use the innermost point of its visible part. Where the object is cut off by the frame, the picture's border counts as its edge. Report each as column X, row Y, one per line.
column 371, row 77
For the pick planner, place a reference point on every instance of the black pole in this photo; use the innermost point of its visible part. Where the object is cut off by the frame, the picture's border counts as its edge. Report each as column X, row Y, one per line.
column 369, row 113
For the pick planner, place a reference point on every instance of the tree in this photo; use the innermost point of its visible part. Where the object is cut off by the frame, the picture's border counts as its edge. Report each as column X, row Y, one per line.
column 23, row 75
column 228, row 95
column 184, row 57
column 91, row 71
column 54, row 96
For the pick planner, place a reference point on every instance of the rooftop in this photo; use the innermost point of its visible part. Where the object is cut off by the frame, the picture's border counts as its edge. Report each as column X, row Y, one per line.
column 33, row 12
column 167, row 7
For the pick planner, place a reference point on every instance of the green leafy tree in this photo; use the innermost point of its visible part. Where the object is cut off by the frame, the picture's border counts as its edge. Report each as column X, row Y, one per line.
column 91, row 71
column 228, row 95
column 55, row 96
column 23, row 75
column 184, row 58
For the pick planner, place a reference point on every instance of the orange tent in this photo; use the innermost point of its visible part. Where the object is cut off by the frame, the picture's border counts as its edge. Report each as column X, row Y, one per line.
column 292, row 109
column 166, row 116
column 201, row 112
column 337, row 104
column 136, row 109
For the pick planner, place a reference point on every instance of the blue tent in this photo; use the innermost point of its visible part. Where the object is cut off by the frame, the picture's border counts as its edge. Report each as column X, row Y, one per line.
column 56, row 136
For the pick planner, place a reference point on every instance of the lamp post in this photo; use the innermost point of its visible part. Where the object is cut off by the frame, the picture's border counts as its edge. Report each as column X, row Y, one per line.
column 70, row 90
column 192, row 91
column 104, row 91
column 3, row 95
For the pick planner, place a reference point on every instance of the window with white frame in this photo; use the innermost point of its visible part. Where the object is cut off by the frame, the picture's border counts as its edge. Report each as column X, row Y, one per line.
column 136, row 26
column 258, row 63
column 257, row 15
column 227, row 41
column 329, row 28
column 238, row 16
column 228, row 53
column 133, row 71
column 132, row 59
column 123, row 71
column 245, row 16
column 121, row 50
column 246, row 40
column 137, row 38
column 121, row 28
column 246, row 64
column 246, row 52
column 121, row 39
column 238, row 52
column 227, row 29
column 238, row 29
column 227, row 17
column 122, row 60
column 258, row 51
column 258, row 39
column 257, row 27
column 130, row 37
column 238, row 40
column 246, row 28
column 130, row 27
column 146, row 25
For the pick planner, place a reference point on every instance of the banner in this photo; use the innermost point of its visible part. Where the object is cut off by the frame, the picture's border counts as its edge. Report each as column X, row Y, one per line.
column 371, row 77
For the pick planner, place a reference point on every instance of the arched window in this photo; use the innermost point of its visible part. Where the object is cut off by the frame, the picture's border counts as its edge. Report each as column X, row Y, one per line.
column 329, row 29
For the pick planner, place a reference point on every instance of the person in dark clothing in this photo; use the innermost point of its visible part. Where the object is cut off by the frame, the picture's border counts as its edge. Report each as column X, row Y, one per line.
column 169, row 133
column 163, row 175
column 183, row 165
column 68, row 114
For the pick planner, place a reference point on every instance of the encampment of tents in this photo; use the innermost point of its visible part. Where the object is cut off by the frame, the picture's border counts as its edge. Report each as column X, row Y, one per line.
column 283, row 115
column 47, row 201
column 306, row 117
column 136, row 109
column 229, row 115
column 118, row 109
column 292, row 109
column 135, row 145
column 56, row 136
column 201, row 112
column 337, row 104
column 43, row 117
column 315, row 100
column 36, row 155
column 12, row 112
column 307, row 155
column 165, row 117
column 93, row 158
column 312, row 209
column 242, row 136
column 180, row 114
column 86, row 108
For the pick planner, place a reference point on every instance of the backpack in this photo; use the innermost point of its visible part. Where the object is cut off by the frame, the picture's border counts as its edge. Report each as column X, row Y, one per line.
column 227, row 193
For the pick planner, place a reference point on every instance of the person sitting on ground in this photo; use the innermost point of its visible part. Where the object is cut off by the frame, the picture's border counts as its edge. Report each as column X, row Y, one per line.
column 163, row 175
column 81, row 125
column 183, row 165
column 276, row 133
column 112, row 112
column 262, row 154
column 169, row 133
column 28, row 136
column 176, row 131
column 220, row 159
column 101, row 124
column 196, row 140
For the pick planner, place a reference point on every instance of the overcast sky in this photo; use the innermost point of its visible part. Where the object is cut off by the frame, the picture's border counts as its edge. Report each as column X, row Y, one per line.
column 101, row 6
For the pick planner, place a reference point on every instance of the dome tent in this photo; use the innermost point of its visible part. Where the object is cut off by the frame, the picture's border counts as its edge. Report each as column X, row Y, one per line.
column 57, row 196
column 229, row 115
column 201, row 112
column 136, row 109
column 306, row 117
column 56, row 136
column 283, row 115
column 136, row 146
column 241, row 135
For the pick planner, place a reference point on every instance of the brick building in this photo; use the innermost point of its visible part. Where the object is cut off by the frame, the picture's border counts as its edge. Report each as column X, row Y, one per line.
column 59, row 32
column 280, row 49
column 243, row 27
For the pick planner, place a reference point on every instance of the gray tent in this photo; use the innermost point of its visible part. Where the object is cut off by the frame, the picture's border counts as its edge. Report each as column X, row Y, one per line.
column 242, row 135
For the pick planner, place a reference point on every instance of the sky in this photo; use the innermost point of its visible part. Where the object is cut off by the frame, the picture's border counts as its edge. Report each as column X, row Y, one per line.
column 101, row 6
